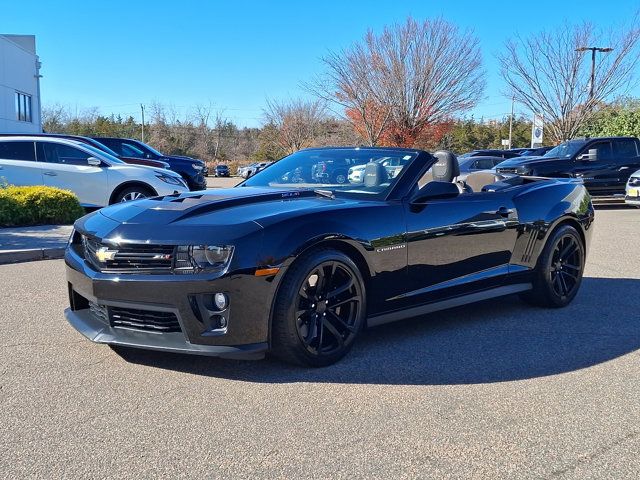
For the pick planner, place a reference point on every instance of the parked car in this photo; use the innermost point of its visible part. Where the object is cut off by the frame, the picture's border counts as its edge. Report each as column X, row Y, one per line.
column 490, row 153
column 94, row 143
column 604, row 164
column 475, row 164
column 632, row 191
column 393, row 165
column 300, row 270
column 193, row 171
column 96, row 177
column 332, row 170
column 221, row 171
column 249, row 170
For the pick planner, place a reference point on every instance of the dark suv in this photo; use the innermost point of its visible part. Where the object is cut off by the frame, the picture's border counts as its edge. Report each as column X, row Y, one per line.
column 193, row 171
column 604, row 164
column 331, row 171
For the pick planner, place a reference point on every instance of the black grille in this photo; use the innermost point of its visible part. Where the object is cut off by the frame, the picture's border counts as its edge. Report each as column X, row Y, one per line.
column 148, row 320
column 99, row 311
column 128, row 258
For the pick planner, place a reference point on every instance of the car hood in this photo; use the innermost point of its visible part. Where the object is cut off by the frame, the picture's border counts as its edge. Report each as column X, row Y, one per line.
column 178, row 160
column 518, row 161
column 223, row 207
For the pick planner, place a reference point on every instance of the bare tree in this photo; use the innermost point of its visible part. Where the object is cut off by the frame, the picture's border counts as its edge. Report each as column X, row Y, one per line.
column 396, row 84
column 549, row 74
column 298, row 122
column 54, row 118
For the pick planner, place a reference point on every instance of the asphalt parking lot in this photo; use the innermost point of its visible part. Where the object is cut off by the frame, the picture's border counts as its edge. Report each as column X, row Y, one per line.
column 223, row 182
column 498, row 390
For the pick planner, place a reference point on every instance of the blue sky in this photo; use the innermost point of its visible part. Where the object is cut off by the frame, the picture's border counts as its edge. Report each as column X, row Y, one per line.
column 116, row 54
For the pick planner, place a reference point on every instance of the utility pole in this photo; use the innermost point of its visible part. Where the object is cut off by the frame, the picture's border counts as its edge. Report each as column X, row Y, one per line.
column 513, row 100
column 142, row 109
column 593, row 63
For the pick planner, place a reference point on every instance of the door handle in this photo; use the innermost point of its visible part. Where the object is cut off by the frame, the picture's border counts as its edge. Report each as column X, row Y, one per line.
column 50, row 174
column 504, row 211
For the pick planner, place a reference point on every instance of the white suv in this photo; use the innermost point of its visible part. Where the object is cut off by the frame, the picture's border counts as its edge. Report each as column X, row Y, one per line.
column 97, row 178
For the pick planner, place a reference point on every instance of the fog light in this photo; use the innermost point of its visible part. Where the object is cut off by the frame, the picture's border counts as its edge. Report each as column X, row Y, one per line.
column 220, row 300
column 218, row 322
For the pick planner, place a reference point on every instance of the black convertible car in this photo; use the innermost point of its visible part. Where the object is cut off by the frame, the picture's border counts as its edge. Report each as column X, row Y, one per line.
column 299, row 269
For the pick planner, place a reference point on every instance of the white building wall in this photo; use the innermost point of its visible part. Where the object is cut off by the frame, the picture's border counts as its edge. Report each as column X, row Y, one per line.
column 19, row 70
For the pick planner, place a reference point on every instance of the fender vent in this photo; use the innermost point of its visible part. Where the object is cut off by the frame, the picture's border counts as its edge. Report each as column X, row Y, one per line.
column 531, row 243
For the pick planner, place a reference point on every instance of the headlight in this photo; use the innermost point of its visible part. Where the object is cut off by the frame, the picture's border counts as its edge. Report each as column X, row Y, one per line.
column 198, row 258
column 197, row 166
column 171, row 179
column 523, row 170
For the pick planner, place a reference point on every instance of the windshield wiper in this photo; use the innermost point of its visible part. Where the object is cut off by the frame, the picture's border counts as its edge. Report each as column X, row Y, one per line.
column 325, row 193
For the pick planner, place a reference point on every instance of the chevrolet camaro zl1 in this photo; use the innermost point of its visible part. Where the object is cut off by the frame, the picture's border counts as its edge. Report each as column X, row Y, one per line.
column 299, row 268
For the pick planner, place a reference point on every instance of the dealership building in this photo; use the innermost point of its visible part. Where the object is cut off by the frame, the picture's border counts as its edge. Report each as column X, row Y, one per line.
column 20, row 110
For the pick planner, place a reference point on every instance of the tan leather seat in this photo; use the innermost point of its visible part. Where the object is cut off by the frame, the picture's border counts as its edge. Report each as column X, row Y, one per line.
column 478, row 180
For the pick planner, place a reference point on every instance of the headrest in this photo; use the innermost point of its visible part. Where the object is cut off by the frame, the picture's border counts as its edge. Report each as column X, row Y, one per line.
column 374, row 174
column 446, row 167
column 478, row 180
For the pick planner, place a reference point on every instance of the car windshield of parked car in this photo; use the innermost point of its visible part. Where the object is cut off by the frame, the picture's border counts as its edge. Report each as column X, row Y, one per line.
column 101, row 154
column 151, row 149
column 566, row 149
column 358, row 171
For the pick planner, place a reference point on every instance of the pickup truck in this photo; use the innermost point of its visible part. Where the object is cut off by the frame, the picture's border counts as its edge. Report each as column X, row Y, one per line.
column 604, row 164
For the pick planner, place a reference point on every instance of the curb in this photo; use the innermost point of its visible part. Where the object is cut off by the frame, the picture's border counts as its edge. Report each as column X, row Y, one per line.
column 18, row 256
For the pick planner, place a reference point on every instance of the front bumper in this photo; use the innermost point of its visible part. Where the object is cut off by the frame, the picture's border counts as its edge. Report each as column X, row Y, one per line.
column 96, row 331
column 632, row 200
column 247, row 318
column 196, row 182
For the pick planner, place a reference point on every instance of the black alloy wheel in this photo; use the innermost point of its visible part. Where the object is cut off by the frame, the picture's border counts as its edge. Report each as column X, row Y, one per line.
column 558, row 274
column 566, row 265
column 320, row 309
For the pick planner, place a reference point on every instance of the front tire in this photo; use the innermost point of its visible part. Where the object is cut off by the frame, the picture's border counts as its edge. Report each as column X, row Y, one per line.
column 558, row 275
column 319, row 309
column 133, row 193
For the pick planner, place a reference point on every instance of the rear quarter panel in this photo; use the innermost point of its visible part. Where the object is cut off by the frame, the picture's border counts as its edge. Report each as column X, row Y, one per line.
column 541, row 208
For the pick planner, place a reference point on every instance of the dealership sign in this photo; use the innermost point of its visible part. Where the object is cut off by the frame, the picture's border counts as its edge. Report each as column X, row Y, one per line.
column 536, row 130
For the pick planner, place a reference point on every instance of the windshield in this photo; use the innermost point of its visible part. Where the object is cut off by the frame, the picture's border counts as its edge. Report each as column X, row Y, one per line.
column 566, row 149
column 101, row 153
column 357, row 171
column 150, row 148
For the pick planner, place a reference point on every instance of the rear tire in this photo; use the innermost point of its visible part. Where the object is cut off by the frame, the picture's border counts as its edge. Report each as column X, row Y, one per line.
column 558, row 274
column 133, row 193
column 319, row 309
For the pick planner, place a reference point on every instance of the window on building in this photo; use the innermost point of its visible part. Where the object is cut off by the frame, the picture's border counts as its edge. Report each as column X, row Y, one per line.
column 23, row 107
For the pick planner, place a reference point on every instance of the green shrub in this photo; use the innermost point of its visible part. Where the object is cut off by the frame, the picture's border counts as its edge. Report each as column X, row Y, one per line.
column 23, row 206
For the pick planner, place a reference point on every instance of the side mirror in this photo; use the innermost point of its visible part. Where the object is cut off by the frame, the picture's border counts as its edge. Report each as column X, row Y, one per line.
column 591, row 156
column 436, row 190
column 94, row 162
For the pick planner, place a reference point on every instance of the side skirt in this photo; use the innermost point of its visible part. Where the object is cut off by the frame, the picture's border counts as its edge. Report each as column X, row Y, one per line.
column 449, row 303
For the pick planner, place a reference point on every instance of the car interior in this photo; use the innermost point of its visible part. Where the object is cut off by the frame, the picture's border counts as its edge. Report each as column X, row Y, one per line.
column 447, row 169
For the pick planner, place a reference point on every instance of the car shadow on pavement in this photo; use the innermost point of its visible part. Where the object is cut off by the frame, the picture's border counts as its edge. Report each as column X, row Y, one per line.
column 496, row 341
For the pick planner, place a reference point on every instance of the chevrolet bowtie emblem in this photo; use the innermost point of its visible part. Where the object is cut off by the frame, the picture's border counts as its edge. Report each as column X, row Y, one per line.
column 103, row 254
